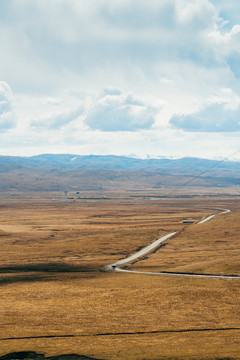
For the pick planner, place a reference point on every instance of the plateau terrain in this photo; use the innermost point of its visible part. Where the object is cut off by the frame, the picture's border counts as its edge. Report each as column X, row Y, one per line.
column 60, row 228
column 55, row 298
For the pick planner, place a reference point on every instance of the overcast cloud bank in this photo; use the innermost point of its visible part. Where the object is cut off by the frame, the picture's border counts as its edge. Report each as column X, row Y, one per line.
column 129, row 76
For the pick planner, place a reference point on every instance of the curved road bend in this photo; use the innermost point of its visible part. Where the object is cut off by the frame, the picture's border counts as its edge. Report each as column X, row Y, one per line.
column 117, row 266
column 224, row 211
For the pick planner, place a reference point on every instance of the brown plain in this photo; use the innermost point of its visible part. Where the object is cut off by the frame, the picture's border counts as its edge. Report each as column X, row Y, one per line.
column 55, row 300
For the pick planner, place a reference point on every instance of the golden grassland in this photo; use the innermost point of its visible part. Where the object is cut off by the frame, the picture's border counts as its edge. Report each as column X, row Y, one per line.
column 51, row 254
column 209, row 248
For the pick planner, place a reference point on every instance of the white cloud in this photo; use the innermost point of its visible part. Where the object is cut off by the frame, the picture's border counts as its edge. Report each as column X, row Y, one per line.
column 52, row 101
column 7, row 118
column 116, row 111
column 57, row 119
column 227, row 42
column 218, row 117
column 5, row 97
column 200, row 15
column 227, row 97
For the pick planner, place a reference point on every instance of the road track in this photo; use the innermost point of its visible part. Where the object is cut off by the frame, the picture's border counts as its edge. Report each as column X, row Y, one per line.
column 117, row 266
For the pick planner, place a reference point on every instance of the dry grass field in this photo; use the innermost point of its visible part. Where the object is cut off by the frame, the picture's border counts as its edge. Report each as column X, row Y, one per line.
column 55, row 300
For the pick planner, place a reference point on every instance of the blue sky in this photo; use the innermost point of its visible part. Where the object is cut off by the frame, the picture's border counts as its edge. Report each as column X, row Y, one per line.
column 150, row 78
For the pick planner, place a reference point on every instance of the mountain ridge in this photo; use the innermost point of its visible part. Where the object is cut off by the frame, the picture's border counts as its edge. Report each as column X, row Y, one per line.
column 50, row 172
column 186, row 165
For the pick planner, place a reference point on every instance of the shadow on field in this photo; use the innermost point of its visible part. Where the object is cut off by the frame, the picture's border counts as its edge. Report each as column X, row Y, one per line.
column 48, row 267
column 29, row 355
column 44, row 272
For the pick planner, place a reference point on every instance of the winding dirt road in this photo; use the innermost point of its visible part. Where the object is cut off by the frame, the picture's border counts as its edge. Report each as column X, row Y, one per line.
column 117, row 266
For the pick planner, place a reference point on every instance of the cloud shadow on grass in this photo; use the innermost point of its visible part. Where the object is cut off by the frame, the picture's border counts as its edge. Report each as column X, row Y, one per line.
column 44, row 272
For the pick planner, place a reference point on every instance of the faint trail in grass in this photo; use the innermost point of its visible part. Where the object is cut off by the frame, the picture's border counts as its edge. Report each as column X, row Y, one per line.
column 120, row 333
column 167, row 273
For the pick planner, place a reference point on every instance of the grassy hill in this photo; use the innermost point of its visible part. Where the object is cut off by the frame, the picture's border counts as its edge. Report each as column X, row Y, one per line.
column 111, row 173
column 26, row 179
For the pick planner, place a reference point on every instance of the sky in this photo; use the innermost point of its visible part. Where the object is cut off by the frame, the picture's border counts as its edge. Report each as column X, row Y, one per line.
column 125, row 77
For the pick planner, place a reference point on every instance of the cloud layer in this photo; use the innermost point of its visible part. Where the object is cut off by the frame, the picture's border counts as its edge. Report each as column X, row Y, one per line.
column 101, row 41
column 114, row 76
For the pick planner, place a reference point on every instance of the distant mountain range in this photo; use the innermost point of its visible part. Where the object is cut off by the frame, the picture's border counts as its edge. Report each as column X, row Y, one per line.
column 67, row 172
column 187, row 165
